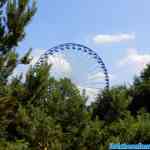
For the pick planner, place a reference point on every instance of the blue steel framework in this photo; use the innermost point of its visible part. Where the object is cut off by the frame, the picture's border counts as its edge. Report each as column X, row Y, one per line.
column 78, row 47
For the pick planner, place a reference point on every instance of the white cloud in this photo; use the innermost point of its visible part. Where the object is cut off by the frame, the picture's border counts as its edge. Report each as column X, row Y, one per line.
column 60, row 66
column 96, row 76
column 113, row 38
column 22, row 69
column 90, row 92
column 135, row 60
column 100, row 76
column 36, row 53
column 112, row 77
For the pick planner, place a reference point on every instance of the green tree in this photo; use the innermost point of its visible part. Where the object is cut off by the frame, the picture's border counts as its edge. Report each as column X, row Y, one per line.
column 111, row 104
column 44, row 113
column 140, row 92
column 14, row 17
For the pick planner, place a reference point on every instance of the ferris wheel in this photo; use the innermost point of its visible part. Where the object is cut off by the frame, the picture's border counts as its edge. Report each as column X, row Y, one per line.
column 79, row 63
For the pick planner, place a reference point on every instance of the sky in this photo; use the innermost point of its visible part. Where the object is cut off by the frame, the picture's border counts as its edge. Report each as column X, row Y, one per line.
column 119, row 31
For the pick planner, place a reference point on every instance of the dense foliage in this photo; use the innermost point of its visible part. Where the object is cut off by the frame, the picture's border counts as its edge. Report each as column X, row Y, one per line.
column 42, row 113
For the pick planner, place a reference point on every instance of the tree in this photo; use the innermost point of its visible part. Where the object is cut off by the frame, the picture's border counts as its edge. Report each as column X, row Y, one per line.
column 44, row 113
column 111, row 104
column 67, row 107
column 140, row 91
column 14, row 17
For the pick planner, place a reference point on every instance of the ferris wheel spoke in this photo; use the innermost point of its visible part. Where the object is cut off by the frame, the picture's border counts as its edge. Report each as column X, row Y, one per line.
column 86, row 69
column 96, row 80
column 93, row 68
column 96, row 77
column 57, row 59
column 93, row 84
column 92, row 88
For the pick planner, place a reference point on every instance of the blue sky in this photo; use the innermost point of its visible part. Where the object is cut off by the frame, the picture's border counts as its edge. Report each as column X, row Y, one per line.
column 125, row 24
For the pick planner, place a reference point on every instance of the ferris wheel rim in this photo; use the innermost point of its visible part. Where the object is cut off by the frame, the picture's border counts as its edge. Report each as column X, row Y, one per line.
column 84, row 49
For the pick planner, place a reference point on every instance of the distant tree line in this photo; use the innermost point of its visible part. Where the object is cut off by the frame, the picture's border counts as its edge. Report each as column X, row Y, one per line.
column 42, row 113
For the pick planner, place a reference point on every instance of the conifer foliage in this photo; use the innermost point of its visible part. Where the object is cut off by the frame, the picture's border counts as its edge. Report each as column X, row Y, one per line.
column 42, row 113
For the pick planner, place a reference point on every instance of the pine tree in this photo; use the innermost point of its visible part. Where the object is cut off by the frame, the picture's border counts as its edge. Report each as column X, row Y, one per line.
column 111, row 104
column 140, row 91
column 14, row 17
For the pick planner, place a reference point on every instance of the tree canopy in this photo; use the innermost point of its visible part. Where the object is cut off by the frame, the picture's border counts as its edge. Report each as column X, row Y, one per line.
column 42, row 113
